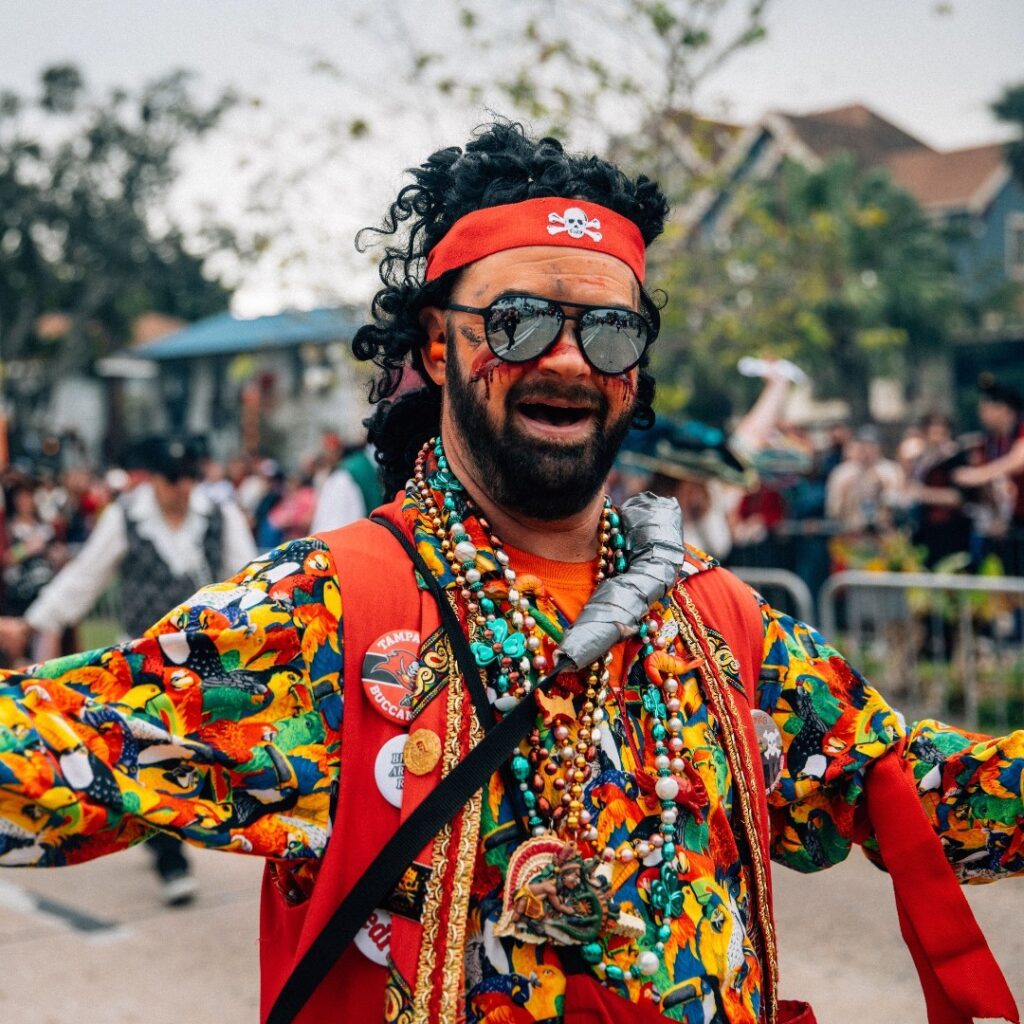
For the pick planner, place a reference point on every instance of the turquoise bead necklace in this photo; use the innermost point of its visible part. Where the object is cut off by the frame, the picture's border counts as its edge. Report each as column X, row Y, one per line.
column 510, row 645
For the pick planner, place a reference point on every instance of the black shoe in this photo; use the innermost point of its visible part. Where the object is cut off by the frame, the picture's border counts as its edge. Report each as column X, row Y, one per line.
column 178, row 888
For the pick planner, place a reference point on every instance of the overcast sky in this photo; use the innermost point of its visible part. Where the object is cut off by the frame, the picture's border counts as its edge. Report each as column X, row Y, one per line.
column 932, row 73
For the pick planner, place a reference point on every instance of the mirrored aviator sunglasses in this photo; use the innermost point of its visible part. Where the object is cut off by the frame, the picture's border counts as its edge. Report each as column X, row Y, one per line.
column 523, row 327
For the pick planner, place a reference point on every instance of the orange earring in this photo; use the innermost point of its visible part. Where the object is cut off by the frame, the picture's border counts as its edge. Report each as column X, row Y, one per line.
column 437, row 351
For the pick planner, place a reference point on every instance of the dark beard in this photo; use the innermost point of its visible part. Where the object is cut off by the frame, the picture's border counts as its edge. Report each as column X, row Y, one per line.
column 541, row 480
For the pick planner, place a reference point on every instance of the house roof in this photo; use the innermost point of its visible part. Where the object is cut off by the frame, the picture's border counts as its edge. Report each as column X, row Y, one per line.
column 855, row 128
column 224, row 334
column 961, row 179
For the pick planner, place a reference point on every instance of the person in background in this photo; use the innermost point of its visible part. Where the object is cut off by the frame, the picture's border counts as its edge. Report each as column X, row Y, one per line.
column 214, row 482
column 274, row 483
column 350, row 492
column 941, row 524
column 1002, row 469
column 292, row 514
column 839, row 436
column 861, row 490
column 691, row 462
column 50, row 498
column 161, row 542
column 26, row 567
column 87, row 496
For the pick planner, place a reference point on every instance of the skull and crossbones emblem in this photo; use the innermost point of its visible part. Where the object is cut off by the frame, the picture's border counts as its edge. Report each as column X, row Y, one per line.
column 575, row 223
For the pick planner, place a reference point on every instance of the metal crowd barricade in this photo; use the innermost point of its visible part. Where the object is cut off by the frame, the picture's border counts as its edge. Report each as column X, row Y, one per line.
column 781, row 588
column 938, row 645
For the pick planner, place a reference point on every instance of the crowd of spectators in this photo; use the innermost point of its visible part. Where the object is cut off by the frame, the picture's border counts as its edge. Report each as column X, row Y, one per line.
column 819, row 499
column 812, row 500
column 49, row 512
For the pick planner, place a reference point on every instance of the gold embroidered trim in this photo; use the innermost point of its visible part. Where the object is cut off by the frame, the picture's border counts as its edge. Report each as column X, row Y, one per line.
column 441, row 961
column 743, row 770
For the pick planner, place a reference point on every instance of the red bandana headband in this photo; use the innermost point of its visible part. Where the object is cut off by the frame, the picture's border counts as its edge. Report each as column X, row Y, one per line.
column 573, row 223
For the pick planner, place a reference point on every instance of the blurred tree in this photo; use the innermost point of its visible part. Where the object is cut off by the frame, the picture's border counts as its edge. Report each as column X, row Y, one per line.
column 613, row 76
column 84, row 227
column 836, row 269
column 1010, row 109
column 582, row 68
column 599, row 72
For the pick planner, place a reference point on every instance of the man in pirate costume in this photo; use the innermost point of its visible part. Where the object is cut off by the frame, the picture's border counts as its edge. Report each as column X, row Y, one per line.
column 309, row 708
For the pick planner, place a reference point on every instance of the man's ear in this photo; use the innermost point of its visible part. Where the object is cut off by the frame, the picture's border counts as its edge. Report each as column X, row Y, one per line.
column 432, row 320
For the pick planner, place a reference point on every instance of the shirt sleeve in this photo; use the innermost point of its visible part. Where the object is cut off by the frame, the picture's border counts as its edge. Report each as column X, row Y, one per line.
column 221, row 725
column 70, row 595
column 835, row 725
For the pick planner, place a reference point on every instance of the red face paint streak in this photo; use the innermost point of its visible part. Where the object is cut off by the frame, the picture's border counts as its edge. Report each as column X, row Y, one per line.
column 484, row 364
column 627, row 385
column 485, row 367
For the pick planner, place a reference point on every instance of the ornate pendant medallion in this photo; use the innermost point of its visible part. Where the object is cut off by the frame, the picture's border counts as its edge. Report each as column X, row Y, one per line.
column 554, row 894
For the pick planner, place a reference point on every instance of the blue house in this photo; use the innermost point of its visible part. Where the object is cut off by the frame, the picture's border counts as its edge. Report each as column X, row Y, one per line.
column 972, row 192
column 969, row 190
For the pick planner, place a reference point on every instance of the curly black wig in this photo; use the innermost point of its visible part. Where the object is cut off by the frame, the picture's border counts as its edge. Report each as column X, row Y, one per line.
column 500, row 164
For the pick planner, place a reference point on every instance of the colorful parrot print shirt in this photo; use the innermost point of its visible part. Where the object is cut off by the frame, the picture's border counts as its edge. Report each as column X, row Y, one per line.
column 223, row 725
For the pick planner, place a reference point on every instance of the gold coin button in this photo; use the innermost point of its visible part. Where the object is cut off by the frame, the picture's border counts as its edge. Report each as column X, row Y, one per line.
column 422, row 751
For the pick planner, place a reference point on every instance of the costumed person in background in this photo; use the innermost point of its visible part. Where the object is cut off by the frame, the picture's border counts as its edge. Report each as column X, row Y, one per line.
column 606, row 855
column 779, row 457
column 1001, row 411
column 692, row 463
column 776, row 520
column 160, row 542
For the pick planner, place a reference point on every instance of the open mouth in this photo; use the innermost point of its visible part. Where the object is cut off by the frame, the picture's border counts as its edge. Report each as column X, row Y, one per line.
column 554, row 415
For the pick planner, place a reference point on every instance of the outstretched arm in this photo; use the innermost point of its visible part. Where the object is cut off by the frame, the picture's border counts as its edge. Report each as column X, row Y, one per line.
column 835, row 727
column 1009, row 464
column 221, row 725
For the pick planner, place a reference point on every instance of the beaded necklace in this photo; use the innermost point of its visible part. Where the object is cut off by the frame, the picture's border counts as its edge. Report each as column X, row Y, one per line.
column 508, row 634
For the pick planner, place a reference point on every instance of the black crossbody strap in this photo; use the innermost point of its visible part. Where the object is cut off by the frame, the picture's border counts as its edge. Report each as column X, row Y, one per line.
column 454, row 792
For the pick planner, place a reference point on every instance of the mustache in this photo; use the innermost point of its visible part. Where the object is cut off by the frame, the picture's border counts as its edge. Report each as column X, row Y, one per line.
column 540, row 391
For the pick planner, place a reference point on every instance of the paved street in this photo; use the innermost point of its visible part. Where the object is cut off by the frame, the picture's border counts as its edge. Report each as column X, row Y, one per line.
column 143, row 964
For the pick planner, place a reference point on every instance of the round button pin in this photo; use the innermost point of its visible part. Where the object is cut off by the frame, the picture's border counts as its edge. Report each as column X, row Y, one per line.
column 373, row 940
column 422, row 752
column 389, row 770
column 389, row 673
column 769, row 740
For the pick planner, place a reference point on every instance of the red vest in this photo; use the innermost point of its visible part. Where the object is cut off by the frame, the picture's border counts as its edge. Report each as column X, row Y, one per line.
column 354, row 989
column 957, row 970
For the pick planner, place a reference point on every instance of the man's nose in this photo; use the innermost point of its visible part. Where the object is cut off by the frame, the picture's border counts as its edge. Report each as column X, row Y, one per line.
column 565, row 357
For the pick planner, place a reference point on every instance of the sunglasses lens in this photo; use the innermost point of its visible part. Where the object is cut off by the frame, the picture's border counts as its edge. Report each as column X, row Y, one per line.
column 519, row 327
column 613, row 339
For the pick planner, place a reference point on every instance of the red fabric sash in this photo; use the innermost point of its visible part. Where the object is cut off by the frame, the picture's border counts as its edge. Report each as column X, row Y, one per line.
column 959, row 974
column 727, row 605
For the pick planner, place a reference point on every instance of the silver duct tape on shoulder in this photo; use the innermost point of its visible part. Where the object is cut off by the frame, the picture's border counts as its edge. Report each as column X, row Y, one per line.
column 653, row 531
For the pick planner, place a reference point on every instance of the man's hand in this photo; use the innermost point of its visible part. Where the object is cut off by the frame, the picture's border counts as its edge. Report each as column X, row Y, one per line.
column 14, row 636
